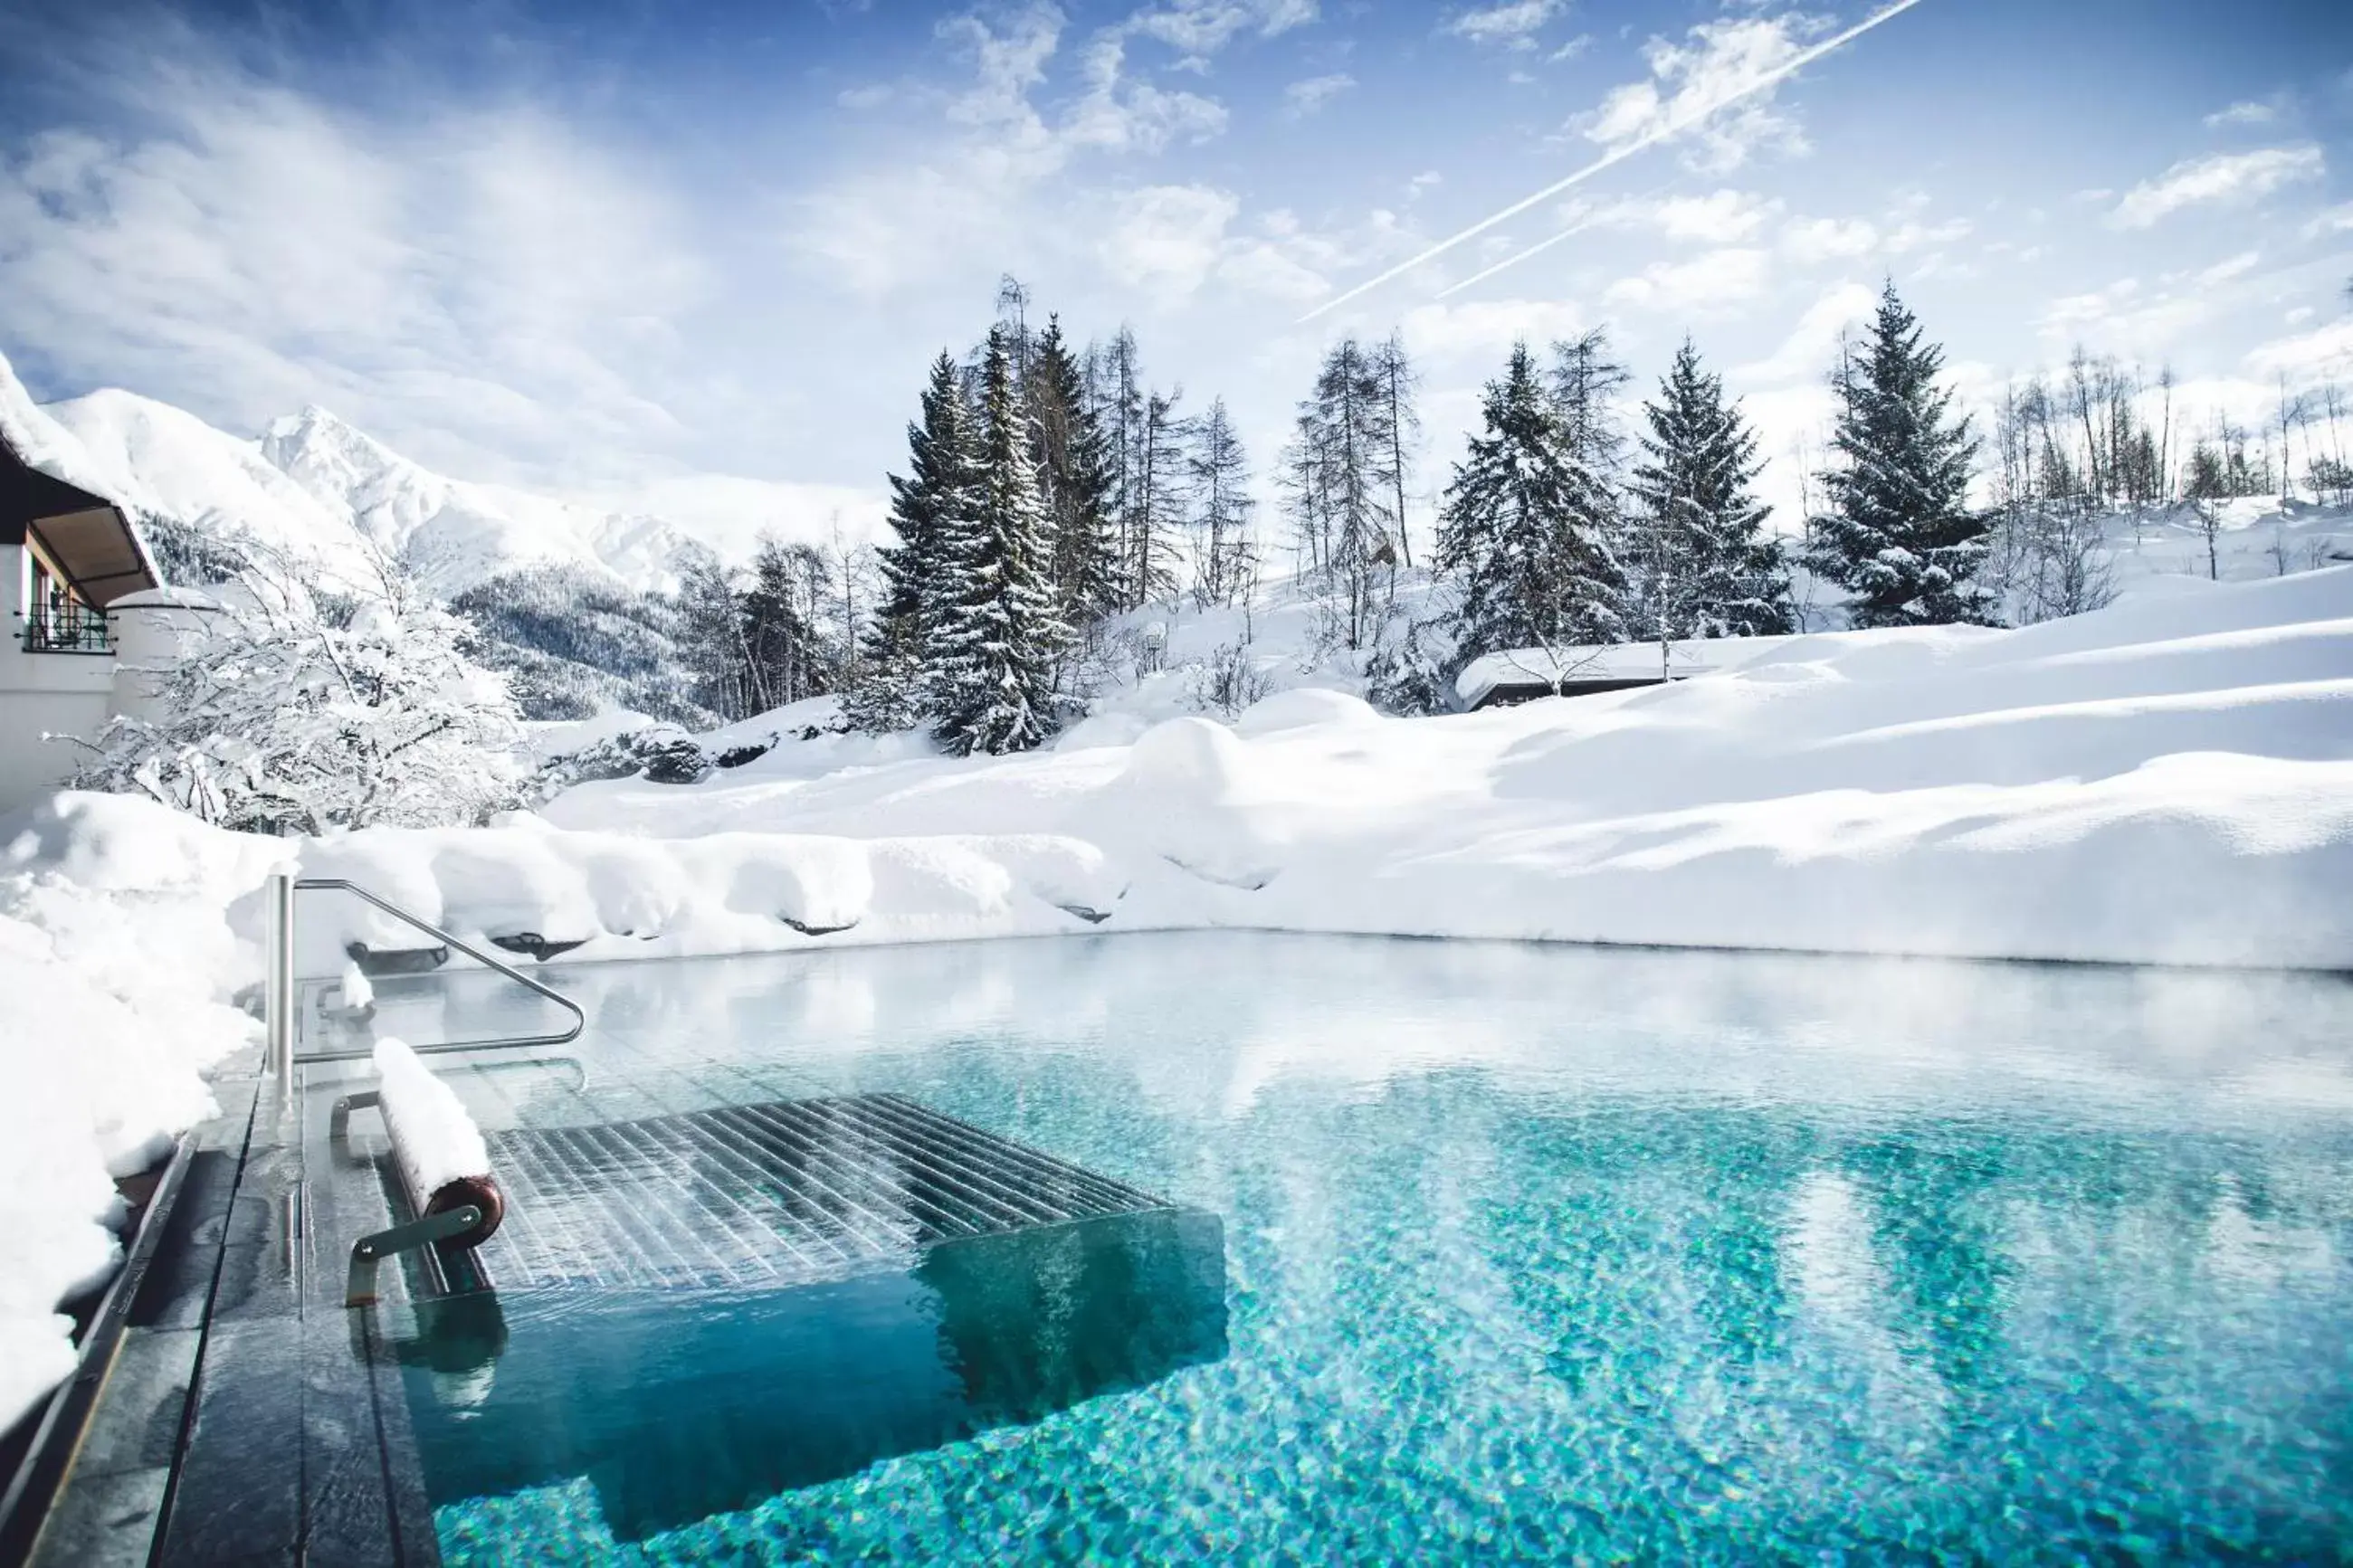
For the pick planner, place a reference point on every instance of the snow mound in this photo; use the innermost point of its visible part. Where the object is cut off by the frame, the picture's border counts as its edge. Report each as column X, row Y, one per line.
column 2170, row 780
column 525, row 885
column 117, row 957
column 1301, row 708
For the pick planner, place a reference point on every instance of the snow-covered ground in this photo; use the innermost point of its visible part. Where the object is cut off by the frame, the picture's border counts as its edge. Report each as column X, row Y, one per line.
column 2167, row 781
column 117, row 958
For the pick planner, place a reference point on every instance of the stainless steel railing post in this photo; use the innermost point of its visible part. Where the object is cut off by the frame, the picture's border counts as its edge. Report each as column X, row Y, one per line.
column 277, row 989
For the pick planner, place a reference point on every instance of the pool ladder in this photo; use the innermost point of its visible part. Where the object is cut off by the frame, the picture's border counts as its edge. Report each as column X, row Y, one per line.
column 277, row 1008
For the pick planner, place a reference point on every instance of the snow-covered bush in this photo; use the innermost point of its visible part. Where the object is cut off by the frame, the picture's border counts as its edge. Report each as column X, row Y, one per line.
column 1413, row 673
column 1230, row 681
column 298, row 711
column 660, row 754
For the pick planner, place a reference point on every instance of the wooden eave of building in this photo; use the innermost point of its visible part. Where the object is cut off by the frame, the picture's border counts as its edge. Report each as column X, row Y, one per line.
column 1508, row 693
column 84, row 538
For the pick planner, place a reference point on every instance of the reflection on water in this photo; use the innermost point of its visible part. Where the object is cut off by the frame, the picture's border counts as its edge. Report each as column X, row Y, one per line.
column 676, row 1406
column 1538, row 1253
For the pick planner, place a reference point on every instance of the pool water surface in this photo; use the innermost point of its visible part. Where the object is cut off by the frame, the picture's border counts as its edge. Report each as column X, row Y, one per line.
column 1478, row 1251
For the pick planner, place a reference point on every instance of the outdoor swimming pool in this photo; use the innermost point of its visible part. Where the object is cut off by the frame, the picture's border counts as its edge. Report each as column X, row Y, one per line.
column 1487, row 1251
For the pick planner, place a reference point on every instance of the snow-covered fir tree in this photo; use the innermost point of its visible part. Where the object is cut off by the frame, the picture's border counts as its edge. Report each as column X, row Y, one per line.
column 930, row 508
column 1898, row 534
column 1528, row 533
column 994, row 639
column 1074, row 480
column 1711, row 568
column 298, row 713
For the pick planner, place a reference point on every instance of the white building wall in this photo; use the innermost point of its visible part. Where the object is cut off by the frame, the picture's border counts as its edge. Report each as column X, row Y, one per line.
column 42, row 693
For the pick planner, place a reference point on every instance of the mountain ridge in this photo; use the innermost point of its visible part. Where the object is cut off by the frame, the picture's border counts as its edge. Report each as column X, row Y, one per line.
column 317, row 489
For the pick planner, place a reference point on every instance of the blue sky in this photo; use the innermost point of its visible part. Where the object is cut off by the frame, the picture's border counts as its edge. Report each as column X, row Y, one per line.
column 612, row 250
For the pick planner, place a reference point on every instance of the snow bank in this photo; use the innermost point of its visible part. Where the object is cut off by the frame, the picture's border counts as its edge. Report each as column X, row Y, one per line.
column 114, row 955
column 434, row 1139
column 524, row 884
column 2167, row 781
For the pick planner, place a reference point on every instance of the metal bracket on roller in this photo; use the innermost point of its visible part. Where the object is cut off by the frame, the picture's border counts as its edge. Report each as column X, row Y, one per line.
column 359, row 1289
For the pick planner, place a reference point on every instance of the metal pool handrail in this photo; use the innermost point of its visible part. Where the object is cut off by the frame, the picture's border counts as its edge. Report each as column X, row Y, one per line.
column 277, row 996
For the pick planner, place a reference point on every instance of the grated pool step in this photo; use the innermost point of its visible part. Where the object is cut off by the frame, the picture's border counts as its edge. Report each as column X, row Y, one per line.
column 781, row 1192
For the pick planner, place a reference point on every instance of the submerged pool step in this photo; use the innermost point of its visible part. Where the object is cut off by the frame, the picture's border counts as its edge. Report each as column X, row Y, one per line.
column 783, row 1192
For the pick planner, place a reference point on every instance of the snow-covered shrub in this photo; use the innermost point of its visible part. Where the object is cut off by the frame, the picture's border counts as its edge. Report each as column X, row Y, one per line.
column 1227, row 682
column 662, row 753
column 1411, row 674
column 298, row 713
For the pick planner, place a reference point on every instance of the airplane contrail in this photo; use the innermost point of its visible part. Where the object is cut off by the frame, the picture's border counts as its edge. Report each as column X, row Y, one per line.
column 1674, row 126
column 1579, row 226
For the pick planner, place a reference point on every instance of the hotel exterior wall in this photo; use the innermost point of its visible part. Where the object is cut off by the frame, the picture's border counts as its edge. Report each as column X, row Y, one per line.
column 43, row 693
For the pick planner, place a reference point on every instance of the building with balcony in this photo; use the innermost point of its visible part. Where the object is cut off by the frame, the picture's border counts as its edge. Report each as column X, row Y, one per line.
column 67, row 558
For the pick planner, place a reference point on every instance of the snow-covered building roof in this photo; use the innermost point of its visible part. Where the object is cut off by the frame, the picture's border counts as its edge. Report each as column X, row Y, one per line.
column 1516, row 675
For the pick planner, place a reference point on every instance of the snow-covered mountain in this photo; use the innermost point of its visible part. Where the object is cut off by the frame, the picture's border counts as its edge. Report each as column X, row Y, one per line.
column 165, row 459
column 453, row 532
column 319, row 489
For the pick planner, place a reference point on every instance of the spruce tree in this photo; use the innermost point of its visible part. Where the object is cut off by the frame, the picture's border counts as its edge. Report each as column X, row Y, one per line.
column 1074, row 480
column 1527, row 531
column 927, row 509
column 1898, row 534
column 1715, row 570
column 993, row 644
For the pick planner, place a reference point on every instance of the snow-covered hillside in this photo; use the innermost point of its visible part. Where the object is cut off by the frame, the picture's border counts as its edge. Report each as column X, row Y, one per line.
column 2166, row 781
column 313, row 486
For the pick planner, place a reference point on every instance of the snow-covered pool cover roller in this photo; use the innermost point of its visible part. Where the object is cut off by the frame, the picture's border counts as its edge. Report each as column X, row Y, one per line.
column 439, row 1150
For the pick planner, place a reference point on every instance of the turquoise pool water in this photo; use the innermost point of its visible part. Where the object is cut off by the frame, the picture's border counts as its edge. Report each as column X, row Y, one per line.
column 1527, row 1254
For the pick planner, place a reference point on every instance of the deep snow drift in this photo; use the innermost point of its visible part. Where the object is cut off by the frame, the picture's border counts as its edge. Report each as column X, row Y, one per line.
column 116, row 957
column 2169, row 781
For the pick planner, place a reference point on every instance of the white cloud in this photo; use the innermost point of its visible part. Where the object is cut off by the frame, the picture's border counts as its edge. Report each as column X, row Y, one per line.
column 1197, row 29
column 1720, row 218
column 1809, row 347
column 1169, row 239
column 1719, row 61
column 893, row 226
column 1906, row 237
column 1820, row 239
column 1302, row 99
column 2224, row 178
column 2243, row 114
column 2233, row 266
column 488, row 291
column 1483, row 331
column 2321, row 355
column 875, row 95
column 1706, row 283
column 2125, row 318
column 1515, row 23
column 2338, row 219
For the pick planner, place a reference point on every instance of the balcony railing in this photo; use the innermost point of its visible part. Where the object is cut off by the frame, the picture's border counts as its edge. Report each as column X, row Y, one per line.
column 65, row 625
